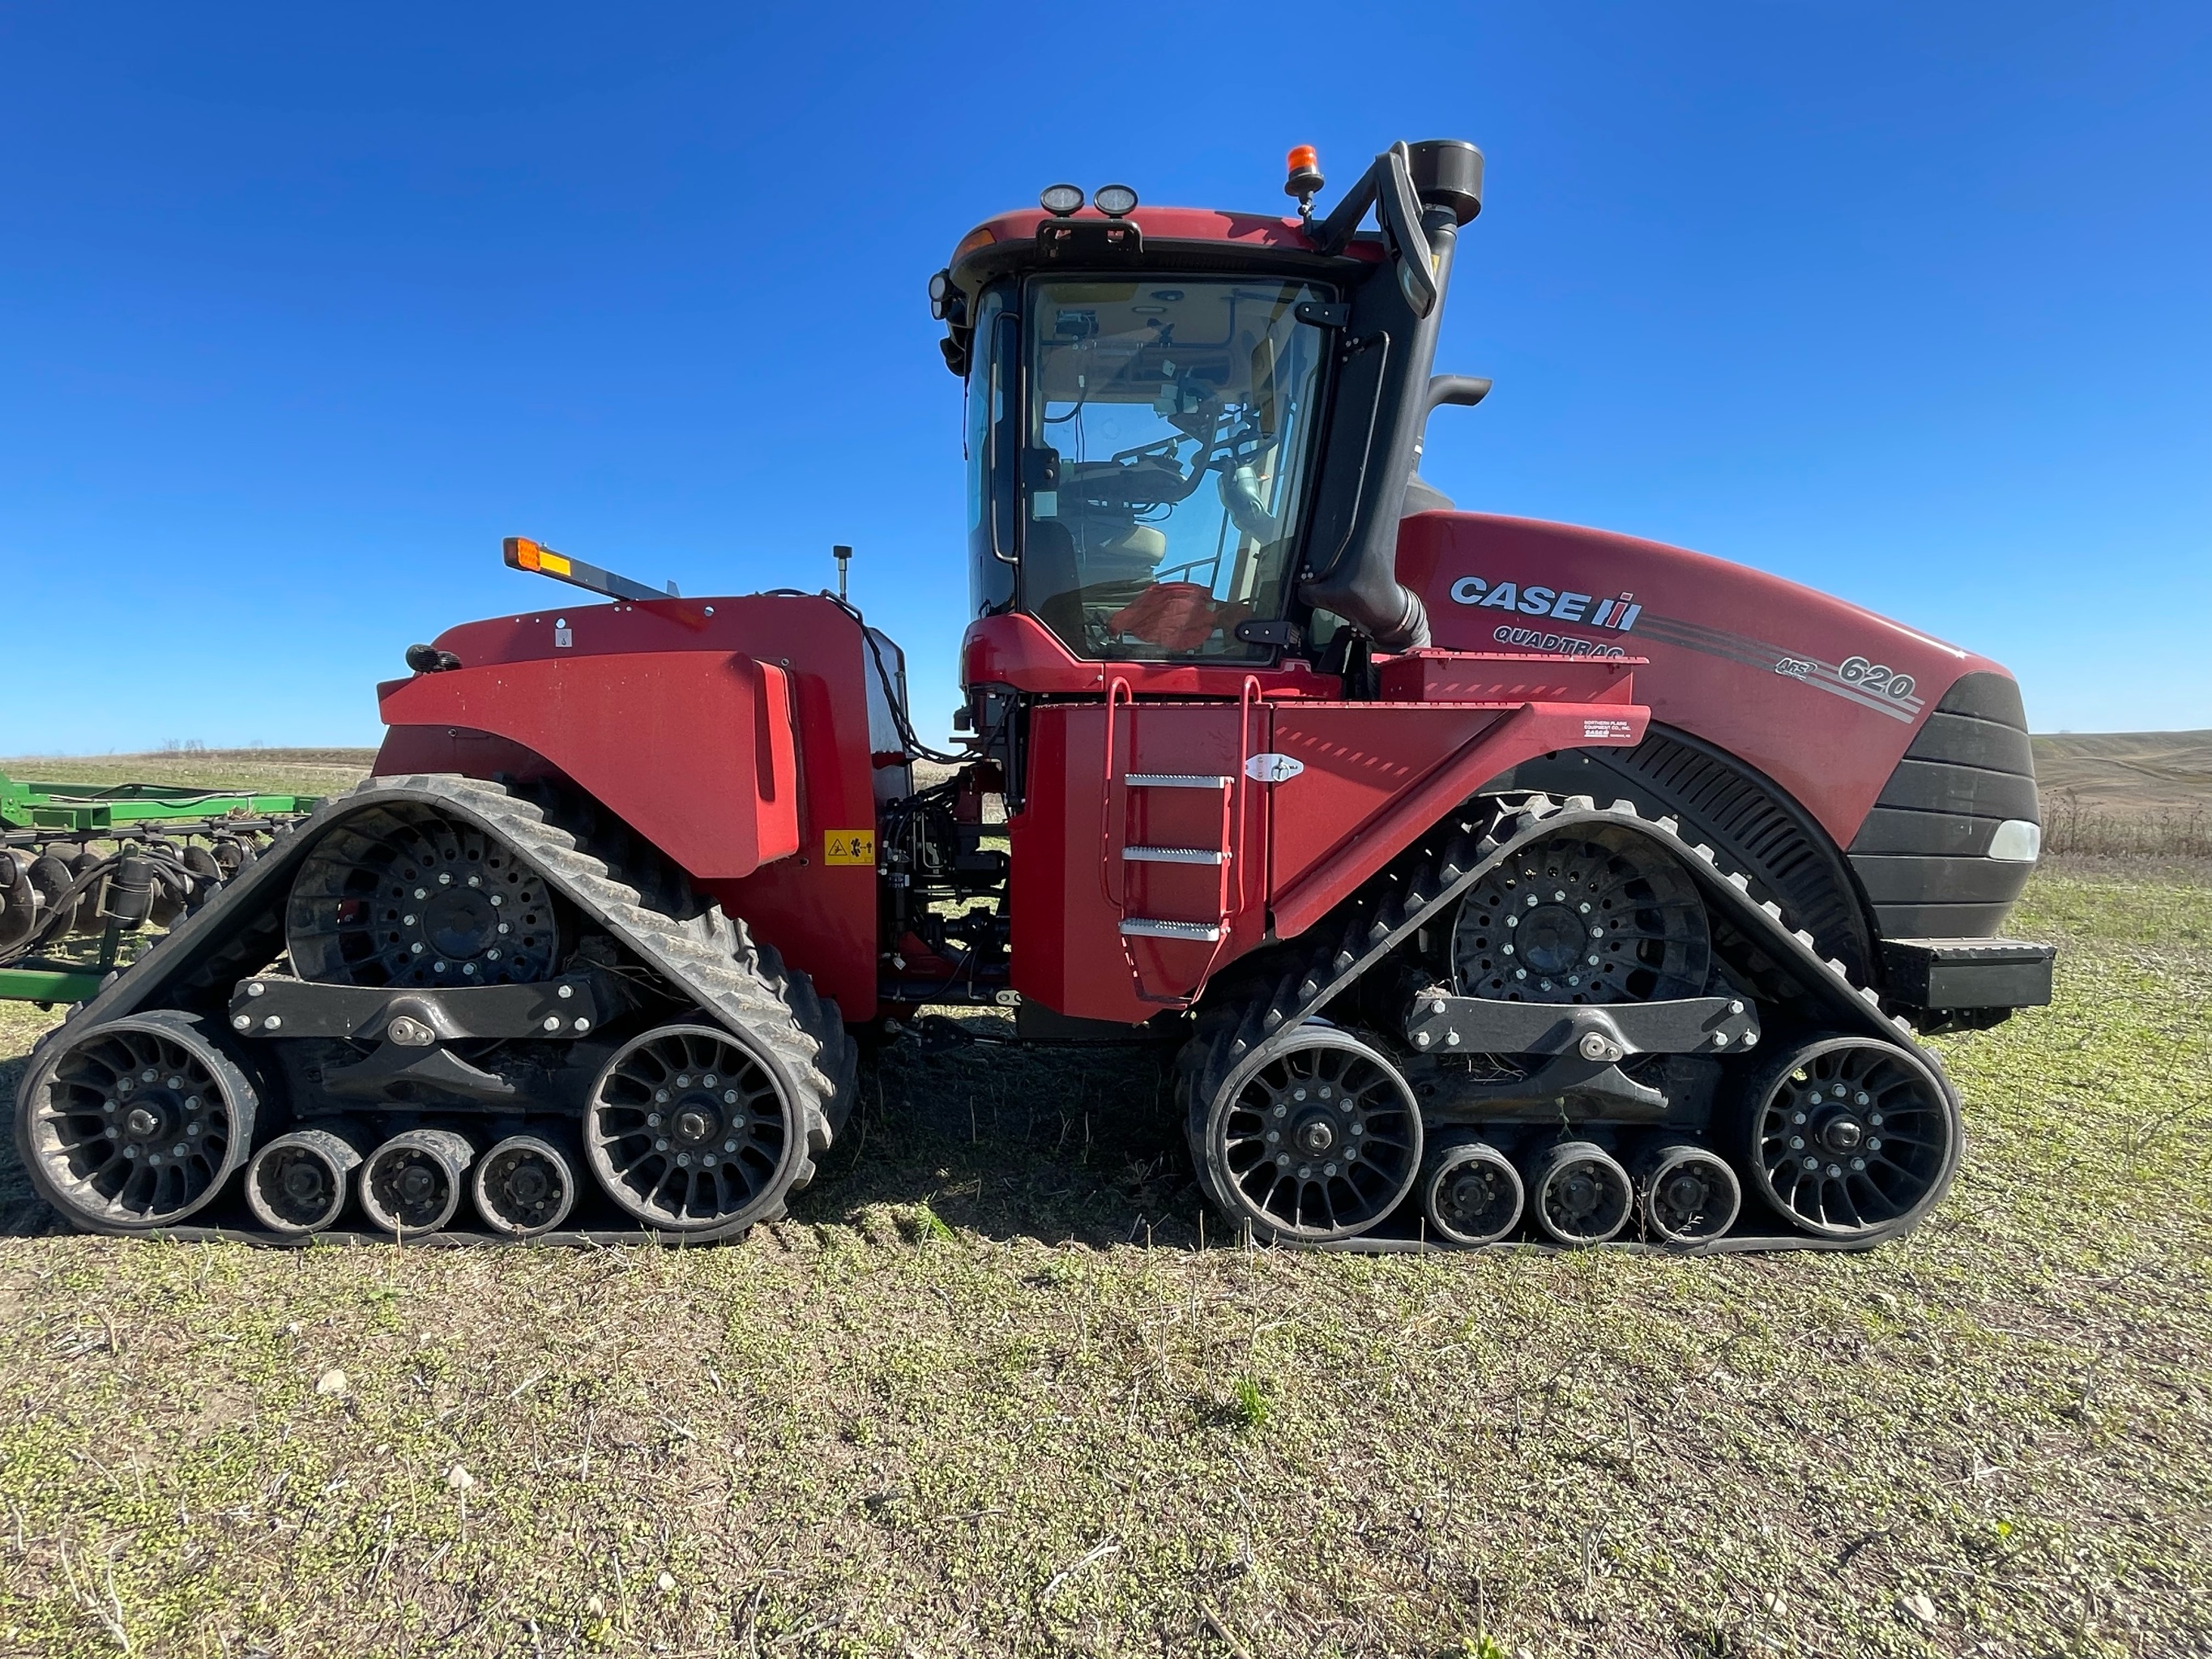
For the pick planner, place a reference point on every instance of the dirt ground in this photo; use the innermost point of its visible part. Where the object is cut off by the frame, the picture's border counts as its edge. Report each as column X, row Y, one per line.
column 2129, row 772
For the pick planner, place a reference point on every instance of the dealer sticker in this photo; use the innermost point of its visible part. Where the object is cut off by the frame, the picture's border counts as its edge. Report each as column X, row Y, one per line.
column 849, row 847
column 1606, row 729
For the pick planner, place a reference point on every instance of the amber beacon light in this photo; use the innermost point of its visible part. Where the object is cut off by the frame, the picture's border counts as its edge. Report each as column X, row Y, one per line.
column 1303, row 165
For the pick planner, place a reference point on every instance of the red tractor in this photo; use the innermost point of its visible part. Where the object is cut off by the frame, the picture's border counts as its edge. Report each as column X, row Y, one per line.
column 1496, row 878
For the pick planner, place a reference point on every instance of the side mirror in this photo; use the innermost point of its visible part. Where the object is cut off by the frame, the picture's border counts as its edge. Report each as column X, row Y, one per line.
column 1398, row 210
column 1464, row 389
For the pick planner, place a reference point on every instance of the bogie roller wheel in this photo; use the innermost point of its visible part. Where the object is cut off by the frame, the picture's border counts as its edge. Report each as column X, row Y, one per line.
column 1851, row 1137
column 402, row 895
column 1690, row 1195
column 1471, row 1194
column 1580, row 1194
column 412, row 1185
column 134, row 1123
column 1311, row 1137
column 523, row 1187
column 693, row 1133
column 1585, row 916
column 297, row 1183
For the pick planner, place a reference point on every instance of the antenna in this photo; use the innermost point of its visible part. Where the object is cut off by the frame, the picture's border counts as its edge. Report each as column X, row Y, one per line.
column 844, row 557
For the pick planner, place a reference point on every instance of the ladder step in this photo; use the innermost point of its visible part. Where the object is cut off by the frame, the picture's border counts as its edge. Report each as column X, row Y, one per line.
column 1174, row 781
column 1173, row 855
column 1136, row 927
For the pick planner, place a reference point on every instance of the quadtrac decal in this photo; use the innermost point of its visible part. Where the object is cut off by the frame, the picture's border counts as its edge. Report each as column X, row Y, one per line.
column 1854, row 679
column 1615, row 614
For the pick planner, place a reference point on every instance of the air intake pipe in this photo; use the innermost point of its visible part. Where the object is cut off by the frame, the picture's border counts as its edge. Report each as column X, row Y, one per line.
column 1421, row 194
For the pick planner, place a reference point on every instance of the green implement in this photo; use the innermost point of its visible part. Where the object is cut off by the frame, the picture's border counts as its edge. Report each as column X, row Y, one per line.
column 47, row 985
column 80, row 808
column 89, row 872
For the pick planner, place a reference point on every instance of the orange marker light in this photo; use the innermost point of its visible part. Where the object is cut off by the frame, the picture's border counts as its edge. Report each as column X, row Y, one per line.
column 523, row 554
column 1305, row 158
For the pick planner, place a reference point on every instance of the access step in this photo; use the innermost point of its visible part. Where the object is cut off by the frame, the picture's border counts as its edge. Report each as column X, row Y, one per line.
column 1175, row 780
column 1140, row 927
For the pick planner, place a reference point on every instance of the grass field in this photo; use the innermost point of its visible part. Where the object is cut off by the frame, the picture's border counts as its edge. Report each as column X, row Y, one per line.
column 956, row 1405
column 302, row 771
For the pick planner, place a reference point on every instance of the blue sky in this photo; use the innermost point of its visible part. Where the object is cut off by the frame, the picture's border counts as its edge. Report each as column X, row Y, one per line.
column 302, row 309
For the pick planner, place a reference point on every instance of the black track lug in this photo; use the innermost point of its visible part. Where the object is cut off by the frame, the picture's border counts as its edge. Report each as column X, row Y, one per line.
column 1439, row 1023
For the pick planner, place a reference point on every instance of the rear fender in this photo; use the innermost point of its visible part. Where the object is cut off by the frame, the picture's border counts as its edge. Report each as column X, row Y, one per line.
column 693, row 749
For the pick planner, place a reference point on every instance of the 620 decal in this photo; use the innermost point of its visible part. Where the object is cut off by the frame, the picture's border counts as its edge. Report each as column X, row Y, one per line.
column 1858, row 670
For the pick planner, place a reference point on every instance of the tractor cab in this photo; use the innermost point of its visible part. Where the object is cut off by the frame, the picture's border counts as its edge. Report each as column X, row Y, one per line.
column 1189, row 433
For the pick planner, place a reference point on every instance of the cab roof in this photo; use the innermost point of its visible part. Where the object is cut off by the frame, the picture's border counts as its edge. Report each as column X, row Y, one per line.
column 1010, row 240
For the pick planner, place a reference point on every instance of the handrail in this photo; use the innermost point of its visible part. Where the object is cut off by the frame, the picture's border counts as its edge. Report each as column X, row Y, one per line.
column 1234, row 844
column 1117, row 691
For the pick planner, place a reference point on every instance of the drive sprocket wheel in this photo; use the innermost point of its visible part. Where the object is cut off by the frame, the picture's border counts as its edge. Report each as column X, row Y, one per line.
column 1313, row 1137
column 134, row 1123
column 404, row 895
column 1586, row 916
column 1851, row 1137
column 691, row 1132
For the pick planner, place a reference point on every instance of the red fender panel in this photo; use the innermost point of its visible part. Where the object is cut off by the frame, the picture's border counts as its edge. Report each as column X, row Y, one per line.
column 697, row 745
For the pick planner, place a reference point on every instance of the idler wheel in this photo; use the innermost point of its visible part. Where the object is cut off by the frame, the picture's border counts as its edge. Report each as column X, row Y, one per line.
column 412, row 1185
column 1851, row 1137
column 1314, row 1138
column 1585, row 916
column 403, row 896
column 1473, row 1194
column 134, row 1123
column 523, row 1187
column 1580, row 1193
column 297, row 1183
column 1689, row 1193
column 691, row 1132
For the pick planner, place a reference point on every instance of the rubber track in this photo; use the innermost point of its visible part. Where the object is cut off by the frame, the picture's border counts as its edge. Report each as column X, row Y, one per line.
column 1425, row 882
column 741, row 983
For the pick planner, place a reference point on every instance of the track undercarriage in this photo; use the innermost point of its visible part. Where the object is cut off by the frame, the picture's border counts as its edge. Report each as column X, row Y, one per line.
column 440, row 1011
column 1568, row 1023
column 437, row 1009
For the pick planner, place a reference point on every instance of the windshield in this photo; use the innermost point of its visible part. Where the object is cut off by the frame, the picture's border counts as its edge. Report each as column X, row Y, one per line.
column 1167, row 444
